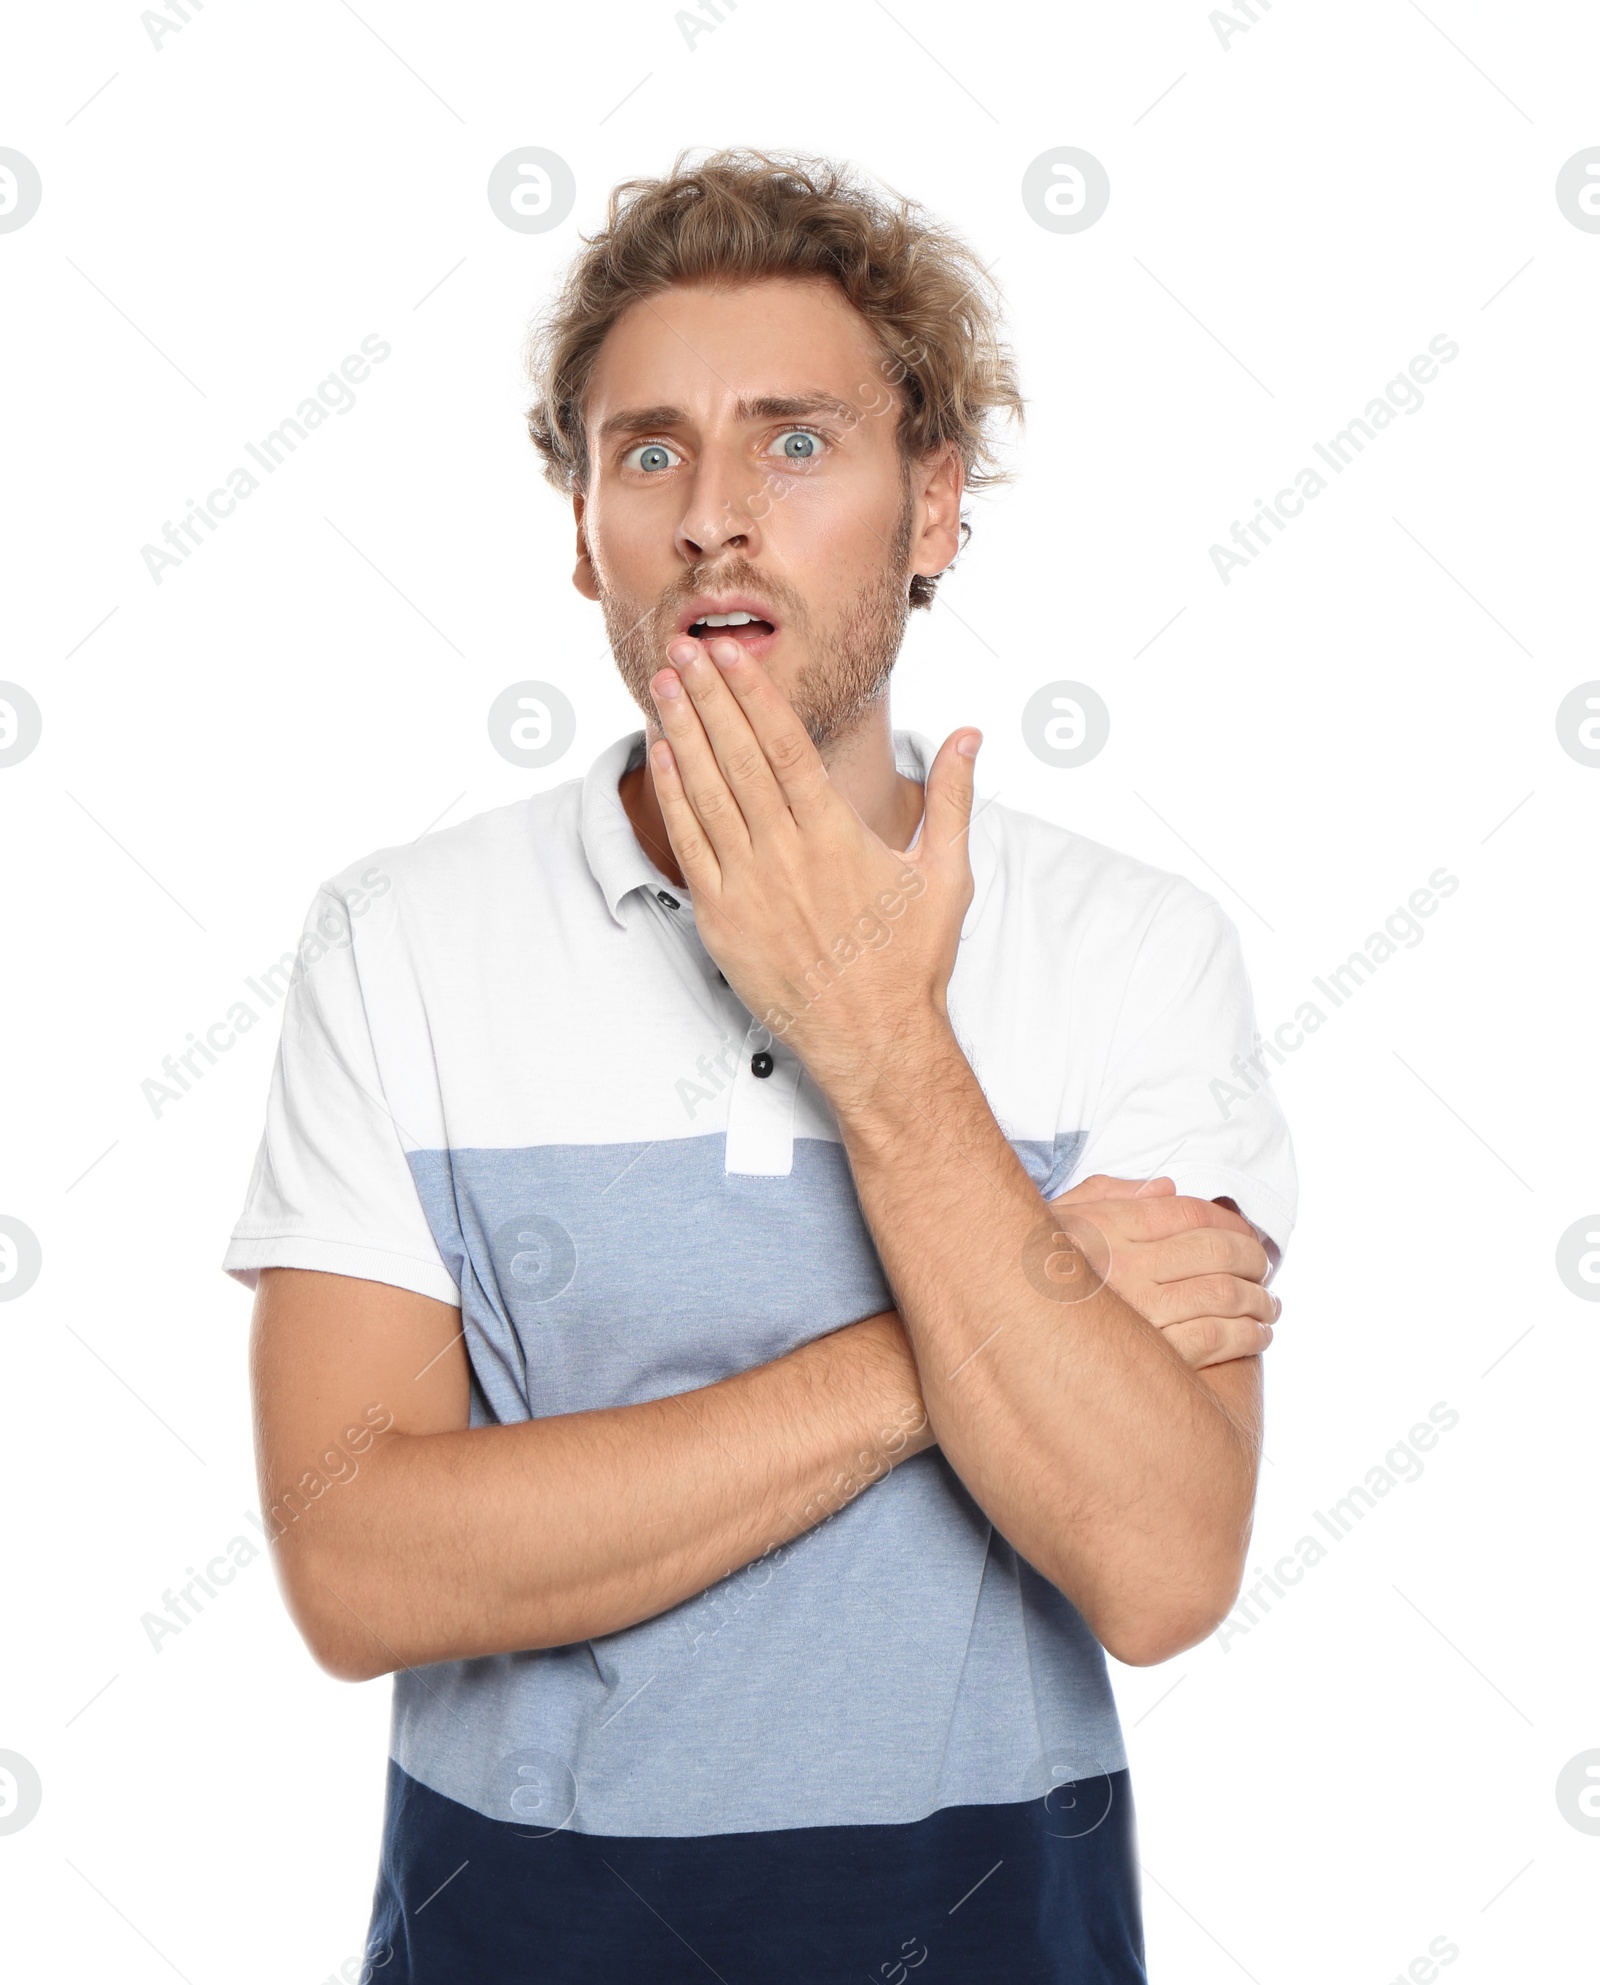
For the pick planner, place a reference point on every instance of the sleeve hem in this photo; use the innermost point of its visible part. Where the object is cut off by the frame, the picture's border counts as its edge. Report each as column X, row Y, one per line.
column 248, row 1254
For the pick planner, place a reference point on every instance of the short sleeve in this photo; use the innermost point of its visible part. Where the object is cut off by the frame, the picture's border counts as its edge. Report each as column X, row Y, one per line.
column 1181, row 1096
column 331, row 1188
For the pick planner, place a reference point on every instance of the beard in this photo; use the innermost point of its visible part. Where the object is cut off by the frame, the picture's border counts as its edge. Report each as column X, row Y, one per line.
column 848, row 658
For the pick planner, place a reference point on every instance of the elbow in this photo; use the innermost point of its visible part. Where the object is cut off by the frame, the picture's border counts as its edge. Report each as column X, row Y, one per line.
column 1192, row 1586
column 346, row 1662
column 1145, row 1636
column 335, row 1638
column 1146, row 1643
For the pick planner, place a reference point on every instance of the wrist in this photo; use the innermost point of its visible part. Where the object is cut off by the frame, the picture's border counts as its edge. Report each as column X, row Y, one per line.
column 898, row 1085
column 901, row 1427
column 869, row 1373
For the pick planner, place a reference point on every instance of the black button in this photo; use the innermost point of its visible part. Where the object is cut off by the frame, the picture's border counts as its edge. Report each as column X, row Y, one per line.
column 761, row 1064
column 670, row 901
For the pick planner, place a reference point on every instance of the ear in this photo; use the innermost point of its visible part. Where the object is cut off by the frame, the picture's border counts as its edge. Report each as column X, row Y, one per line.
column 583, row 572
column 938, row 482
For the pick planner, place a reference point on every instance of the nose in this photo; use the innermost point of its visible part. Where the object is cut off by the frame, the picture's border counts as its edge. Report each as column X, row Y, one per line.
column 722, row 511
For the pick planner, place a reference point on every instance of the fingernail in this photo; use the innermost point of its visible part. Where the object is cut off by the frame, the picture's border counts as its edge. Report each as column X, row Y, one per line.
column 724, row 653
column 968, row 747
column 681, row 651
column 665, row 684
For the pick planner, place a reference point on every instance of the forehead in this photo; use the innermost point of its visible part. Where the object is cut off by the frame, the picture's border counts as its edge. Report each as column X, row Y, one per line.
column 703, row 348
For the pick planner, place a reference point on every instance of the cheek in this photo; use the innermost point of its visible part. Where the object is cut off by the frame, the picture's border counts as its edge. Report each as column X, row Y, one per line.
column 835, row 534
column 631, row 546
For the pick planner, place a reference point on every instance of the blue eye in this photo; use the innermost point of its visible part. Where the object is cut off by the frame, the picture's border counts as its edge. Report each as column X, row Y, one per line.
column 652, row 457
column 799, row 444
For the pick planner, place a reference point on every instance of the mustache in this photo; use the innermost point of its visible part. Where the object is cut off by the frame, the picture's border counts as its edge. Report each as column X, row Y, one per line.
column 732, row 576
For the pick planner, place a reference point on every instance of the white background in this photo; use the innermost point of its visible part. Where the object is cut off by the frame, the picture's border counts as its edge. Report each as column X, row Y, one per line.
column 1371, row 1767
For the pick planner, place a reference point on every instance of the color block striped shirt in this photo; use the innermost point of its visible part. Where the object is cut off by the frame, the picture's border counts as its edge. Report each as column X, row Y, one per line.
column 514, row 1081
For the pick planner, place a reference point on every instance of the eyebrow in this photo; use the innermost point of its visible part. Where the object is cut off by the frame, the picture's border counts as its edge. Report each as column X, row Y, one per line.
column 641, row 420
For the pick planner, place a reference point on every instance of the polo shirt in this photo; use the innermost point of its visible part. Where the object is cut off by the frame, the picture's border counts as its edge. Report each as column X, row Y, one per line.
column 511, row 1078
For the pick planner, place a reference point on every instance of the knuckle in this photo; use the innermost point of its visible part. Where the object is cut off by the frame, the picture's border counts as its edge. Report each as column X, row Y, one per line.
column 1192, row 1340
column 1153, row 1219
column 1157, row 1302
column 787, row 751
column 1168, row 1302
column 693, row 847
column 1207, row 1334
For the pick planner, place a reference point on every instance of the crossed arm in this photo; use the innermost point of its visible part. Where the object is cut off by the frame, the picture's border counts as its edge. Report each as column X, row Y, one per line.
column 1126, row 1480
column 416, row 1546
column 1124, row 1476
column 1040, row 1347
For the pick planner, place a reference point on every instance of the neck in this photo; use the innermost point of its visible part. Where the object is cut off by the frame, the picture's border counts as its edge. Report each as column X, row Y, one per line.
column 860, row 763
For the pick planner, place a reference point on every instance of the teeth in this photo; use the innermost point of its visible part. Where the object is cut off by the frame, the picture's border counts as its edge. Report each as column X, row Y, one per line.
column 725, row 619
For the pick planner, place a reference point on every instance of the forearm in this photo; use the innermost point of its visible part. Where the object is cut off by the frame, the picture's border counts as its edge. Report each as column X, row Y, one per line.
column 461, row 1544
column 1125, row 1477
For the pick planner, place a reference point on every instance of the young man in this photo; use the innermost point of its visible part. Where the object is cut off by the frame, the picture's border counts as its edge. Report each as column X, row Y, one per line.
column 767, row 1206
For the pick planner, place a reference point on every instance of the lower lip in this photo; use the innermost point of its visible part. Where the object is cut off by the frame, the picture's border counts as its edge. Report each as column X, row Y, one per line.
column 752, row 640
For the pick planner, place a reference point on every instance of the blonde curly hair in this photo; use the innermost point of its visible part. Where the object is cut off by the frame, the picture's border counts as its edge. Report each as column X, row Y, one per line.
column 741, row 215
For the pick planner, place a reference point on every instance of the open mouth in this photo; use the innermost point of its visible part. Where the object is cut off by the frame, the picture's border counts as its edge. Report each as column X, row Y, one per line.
column 730, row 616
column 745, row 628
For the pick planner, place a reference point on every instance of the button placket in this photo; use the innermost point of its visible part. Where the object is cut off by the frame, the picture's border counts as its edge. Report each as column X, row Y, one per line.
column 761, row 1107
column 761, row 1110
column 701, row 979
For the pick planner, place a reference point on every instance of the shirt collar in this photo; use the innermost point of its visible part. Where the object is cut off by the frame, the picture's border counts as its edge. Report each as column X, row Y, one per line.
column 616, row 861
column 619, row 865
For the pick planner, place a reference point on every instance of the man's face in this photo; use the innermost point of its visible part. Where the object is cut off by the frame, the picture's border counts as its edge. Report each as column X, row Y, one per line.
column 742, row 459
